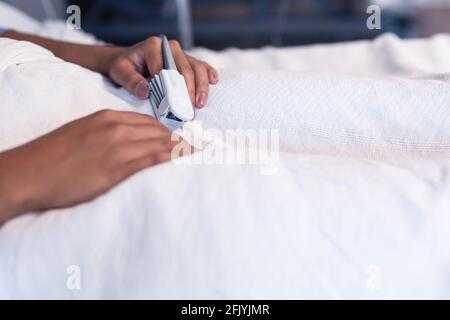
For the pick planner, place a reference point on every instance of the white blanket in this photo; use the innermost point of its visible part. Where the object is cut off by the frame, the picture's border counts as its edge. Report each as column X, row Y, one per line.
column 357, row 208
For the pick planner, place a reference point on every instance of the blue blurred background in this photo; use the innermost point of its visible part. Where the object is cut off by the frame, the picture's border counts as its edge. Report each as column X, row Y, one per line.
column 218, row 24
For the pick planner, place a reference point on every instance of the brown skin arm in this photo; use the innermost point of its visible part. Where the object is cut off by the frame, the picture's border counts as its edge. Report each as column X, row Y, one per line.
column 129, row 67
column 95, row 58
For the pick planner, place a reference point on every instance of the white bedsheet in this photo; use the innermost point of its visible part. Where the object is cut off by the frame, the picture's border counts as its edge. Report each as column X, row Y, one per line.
column 342, row 217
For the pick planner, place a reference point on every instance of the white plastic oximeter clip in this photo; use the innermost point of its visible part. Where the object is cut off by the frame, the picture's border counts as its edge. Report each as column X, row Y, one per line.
column 169, row 95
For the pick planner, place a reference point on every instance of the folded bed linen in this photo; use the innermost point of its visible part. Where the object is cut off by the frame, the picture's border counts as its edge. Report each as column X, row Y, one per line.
column 387, row 55
column 314, row 112
column 357, row 208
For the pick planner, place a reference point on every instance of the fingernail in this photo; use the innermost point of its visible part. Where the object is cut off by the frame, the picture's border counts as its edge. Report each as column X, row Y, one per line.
column 214, row 79
column 201, row 100
column 142, row 90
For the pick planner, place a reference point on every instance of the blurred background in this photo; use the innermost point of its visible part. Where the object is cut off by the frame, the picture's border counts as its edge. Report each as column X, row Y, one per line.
column 218, row 24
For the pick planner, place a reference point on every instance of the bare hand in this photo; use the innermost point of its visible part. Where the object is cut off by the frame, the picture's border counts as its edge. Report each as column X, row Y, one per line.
column 80, row 161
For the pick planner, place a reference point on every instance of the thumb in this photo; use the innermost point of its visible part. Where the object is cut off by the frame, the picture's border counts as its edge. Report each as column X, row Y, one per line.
column 124, row 74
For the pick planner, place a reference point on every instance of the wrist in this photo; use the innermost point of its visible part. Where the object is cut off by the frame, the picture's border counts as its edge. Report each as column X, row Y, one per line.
column 10, row 206
column 14, row 197
column 105, row 56
column 11, row 203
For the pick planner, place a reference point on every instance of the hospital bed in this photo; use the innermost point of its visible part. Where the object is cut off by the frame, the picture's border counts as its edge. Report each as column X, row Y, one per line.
column 355, row 204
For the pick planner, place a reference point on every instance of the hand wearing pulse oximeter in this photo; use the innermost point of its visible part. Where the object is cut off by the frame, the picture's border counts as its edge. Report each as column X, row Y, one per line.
column 132, row 66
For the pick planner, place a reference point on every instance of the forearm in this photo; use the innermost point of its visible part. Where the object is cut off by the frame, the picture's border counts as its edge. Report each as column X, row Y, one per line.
column 94, row 57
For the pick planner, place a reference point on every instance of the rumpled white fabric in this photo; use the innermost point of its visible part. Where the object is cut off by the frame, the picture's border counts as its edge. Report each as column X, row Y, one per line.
column 358, row 207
